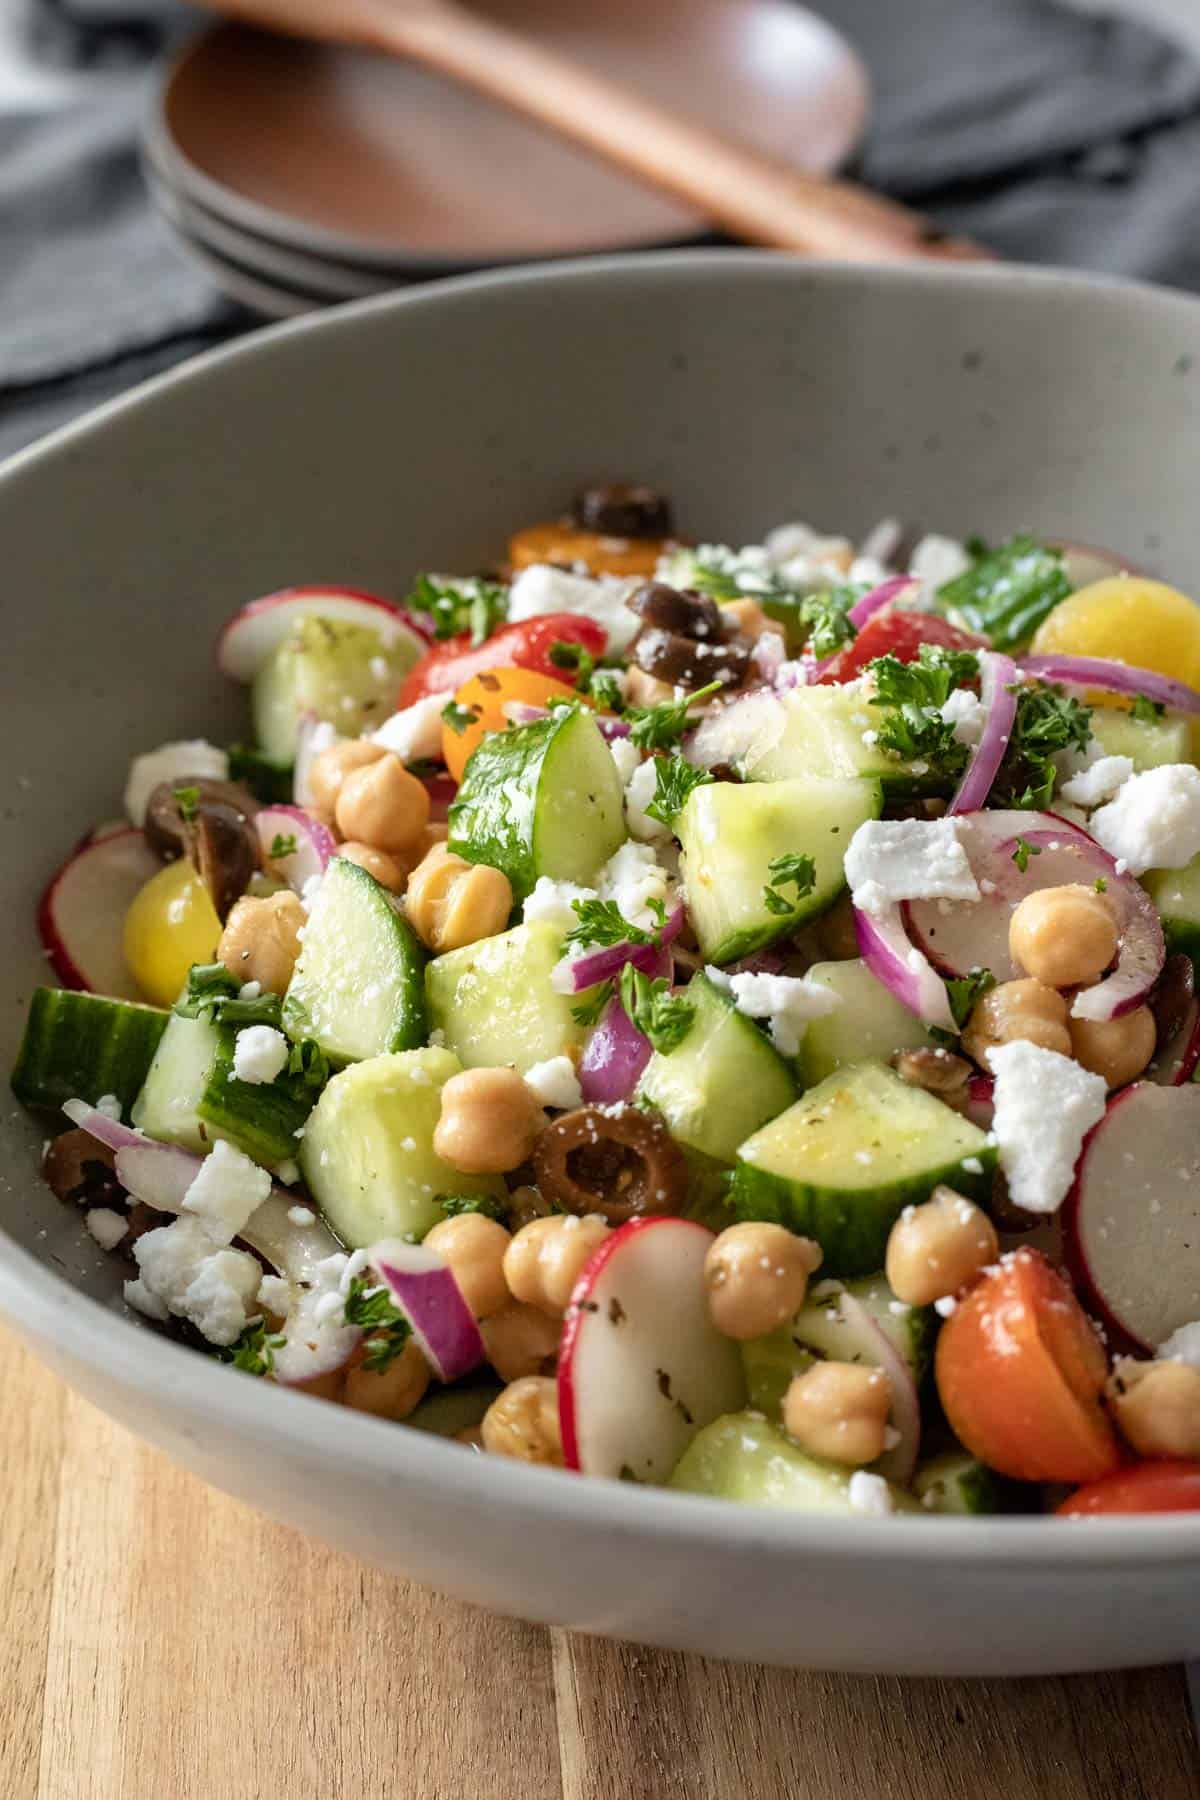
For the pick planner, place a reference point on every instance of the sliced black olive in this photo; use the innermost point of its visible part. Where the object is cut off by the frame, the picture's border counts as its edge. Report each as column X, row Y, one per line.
column 212, row 824
column 684, row 662
column 626, row 509
column 683, row 610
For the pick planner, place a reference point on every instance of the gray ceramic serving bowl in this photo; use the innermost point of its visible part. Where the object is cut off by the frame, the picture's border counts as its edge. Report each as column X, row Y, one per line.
column 414, row 431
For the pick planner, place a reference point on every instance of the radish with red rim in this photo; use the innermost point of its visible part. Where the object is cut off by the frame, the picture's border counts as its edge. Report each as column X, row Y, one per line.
column 253, row 635
column 1132, row 1219
column 423, row 1287
column 641, row 1367
column 313, row 845
column 1176, row 1062
column 81, row 916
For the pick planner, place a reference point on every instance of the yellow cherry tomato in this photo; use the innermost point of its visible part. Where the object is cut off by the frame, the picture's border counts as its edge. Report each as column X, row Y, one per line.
column 486, row 696
column 560, row 542
column 1127, row 619
column 171, row 924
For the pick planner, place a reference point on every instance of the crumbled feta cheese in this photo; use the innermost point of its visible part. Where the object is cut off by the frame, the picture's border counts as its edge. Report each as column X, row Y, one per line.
column 1154, row 821
column 633, row 877
column 888, row 860
column 550, row 901
column 627, row 757
column 186, row 1271
column 787, row 1001
column 227, row 1190
column 138, row 1295
column 1182, row 1345
column 869, row 1494
column 302, row 1215
column 966, row 712
column 555, row 1083
column 219, row 1299
column 883, row 540
column 1098, row 782
column 416, row 731
column 288, row 1171
column 310, row 893
column 542, row 589
column 1045, row 1105
column 946, row 1306
column 800, row 553
column 638, row 794
column 250, row 990
column 106, row 1226
column 171, row 762
column 936, row 560
column 275, row 1294
column 867, row 571
column 260, row 1053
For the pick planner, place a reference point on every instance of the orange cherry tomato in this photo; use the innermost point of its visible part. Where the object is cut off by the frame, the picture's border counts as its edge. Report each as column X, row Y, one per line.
column 562, row 542
column 1147, row 1487
column 1019, row 1373
column 486, row 695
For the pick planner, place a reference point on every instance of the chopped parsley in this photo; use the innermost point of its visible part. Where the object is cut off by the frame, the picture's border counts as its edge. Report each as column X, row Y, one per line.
column 827, row 617
column 1006, row 593
column 602, row 923
column 1147, row 711
column 457, row 717
column 588, row 1011
column 472, row 605
column 717, row 583
column 674, row 780
column 282, row 846
column 573, row 657
column 1023, row 852
column 966, row 991
column 662, row 1017
column 661, row 727
column 911, row 695
column 207, row 985
column 1100, row 885
column 1048, row 720
column 455, row 1205
column 796, row 871
column 264, row 1009
column 605, row 689
column 309, row 1064
column 187, row 799
column 254, row 1351
column 384, row 1325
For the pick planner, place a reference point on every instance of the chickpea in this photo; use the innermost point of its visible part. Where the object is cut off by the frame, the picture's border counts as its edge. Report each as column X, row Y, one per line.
column 519, row 1340
column 544, row 1260
column 1117, row 1049
column 328, row 770
column 937, row 1248
column 390, row 1393
column 523, row 1422
column 748, row 617
column 475, row 1248
column 757, row 1277
column 1017, row 1009
column 382, row 805
column 489, row 1122
column 1064, row 936
column 1156, row 1406
column 646, row 690
column 261, row 940
column 389, row 871
column 840, row 1411
column 452, row 902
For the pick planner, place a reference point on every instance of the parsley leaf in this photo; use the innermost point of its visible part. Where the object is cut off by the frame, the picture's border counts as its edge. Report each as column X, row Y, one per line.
column 309, row 1063
column 207, row 985
column 1100, row 885
column 606, row 690
column 786, row 871
column 718, row 584
column 1048, row 720
column 471, row 605
column 455, row 1205
column 254, row 1351
column 661, row 727
column 187, row 799
column 602, row 923
column 282, row 846
column 828, row 619
column 674, row 780
column 659, row 1015
column 588, row 1011
column 966, row 991
column 264, row 1009
column 565, row 655
column 912, row 696
column 1006, row 593
column 1023, row 852
column 458, row 717
column 373, row 1310
column 1145, row 710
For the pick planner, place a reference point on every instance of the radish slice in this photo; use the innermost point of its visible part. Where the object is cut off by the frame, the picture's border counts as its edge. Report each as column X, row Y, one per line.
column 1085, row 563
column 613, row 1058
column 872, row 1345
column 729, row 732
column 997, row 674
column 256, row 632
column 422, row 1286
column 889, row 952
column 315, row 844
column 641, row 1367
column 603, row 965
column 1132, row 1220
column 1176, row 1062
column 81, row 916
column 1119, row 677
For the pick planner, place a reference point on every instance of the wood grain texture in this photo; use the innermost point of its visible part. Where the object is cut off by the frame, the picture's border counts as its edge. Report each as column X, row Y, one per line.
column 162, row 1640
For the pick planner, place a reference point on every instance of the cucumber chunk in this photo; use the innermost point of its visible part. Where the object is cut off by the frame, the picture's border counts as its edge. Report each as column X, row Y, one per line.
column 493, row 1002
column 869, row 1024
column 541, row 799
column 81, row 1047
column 824, row 731
column 842, row 1163
column 1176, row 893
column 191, row 1096
column 723, row 1082
column 742, row 1457
column 819, row 1330
column 359, row 986
column 731, row 833
column 367, row 1152
column 957, row 1482
column 453, row 1409
column 345, row 674
column 1148, row 742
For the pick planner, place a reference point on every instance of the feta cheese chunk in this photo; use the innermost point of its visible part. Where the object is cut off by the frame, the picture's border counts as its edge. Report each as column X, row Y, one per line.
column 1182, row 1345
column 550, row 901
column 1045, row 1106
column 638, row 794
column 787, row 1001
column 106, row 1226
column 415, row 732
column 555, row 1083
column 966, row 713
column 627, row 757
column 260, row 1053
column 183, row 1270
column 936, row 560
column 228, row 1188
column 1154, row 821
column 542, row 589
column 170, row 762
column 1098, row 782
column 633, row 877
column 869, row 1494
column 889, row 860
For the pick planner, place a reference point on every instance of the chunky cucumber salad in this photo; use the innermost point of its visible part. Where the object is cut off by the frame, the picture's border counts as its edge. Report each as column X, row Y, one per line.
column 712, row 1017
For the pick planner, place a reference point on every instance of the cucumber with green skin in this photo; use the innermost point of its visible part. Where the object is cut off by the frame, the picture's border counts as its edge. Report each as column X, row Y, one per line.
column 191, row 1096
column 841, row 1164
column 1147, row 742
column 731, row 832
column 342, row 673
column 722, row 1083
column 1176, row 894
column 868, row 1024
column 819, row 1331
column 358, row 988
column 743, row 1457
column 81, row 1047
column 453, row 1409
column 493, row 1001
column 540, row 799
column 827, row 731
column 957, row 1482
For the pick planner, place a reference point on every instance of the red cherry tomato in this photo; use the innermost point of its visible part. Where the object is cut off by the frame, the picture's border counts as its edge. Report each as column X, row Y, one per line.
column 1147, row 1487
column 899, row 634
column 525, row 646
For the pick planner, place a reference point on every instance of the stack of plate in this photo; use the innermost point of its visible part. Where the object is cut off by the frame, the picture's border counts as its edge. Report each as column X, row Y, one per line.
column 300, row 175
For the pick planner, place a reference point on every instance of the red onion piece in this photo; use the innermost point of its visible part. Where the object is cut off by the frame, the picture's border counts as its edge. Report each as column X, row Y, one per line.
column 425, row 1291
column 613, row 1058
column 603, row 965
column 315, row 843
column 1119, row 677
column 611, row 727
column 109, row 1132
column 894, row 959
column 996, row 675
column 441, row 789
column 981, row 1101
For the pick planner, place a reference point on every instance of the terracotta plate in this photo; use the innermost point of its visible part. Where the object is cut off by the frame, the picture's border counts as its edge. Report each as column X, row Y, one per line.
column 361, row 157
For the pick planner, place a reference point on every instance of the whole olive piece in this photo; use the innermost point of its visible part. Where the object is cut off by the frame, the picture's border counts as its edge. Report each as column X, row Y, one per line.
column 679, row 609
column 212, row 824
column 688, row 663
column 625, row 509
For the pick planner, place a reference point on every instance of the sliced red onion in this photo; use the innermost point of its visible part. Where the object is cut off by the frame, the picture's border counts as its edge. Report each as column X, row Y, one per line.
column 522, row 712
column 894, row 588
column 109, row 1132
column 425, row 1291
column 611, row 727
column 314, row 1345
column 315, row 843
column 603, row 965
column 981, row 1101
column 997, row 674
column 894, row 959
column 441, row 789
column 1119, row 677
column 613, row 1058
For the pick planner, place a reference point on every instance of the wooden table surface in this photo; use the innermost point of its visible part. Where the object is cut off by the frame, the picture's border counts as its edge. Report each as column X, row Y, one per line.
column 162, row 1642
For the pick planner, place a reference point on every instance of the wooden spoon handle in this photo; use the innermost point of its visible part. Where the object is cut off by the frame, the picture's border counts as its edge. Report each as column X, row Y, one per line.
column 751, row 195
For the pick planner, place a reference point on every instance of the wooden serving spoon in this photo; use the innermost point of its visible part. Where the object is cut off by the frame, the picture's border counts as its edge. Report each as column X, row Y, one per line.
column 751, row 195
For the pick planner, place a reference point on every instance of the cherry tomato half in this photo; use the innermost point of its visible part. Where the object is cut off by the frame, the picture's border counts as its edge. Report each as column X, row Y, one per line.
column 1147, row 1487
column 447, row 666
column 486, row 696
column 1019, row 1374
column 899, row 634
